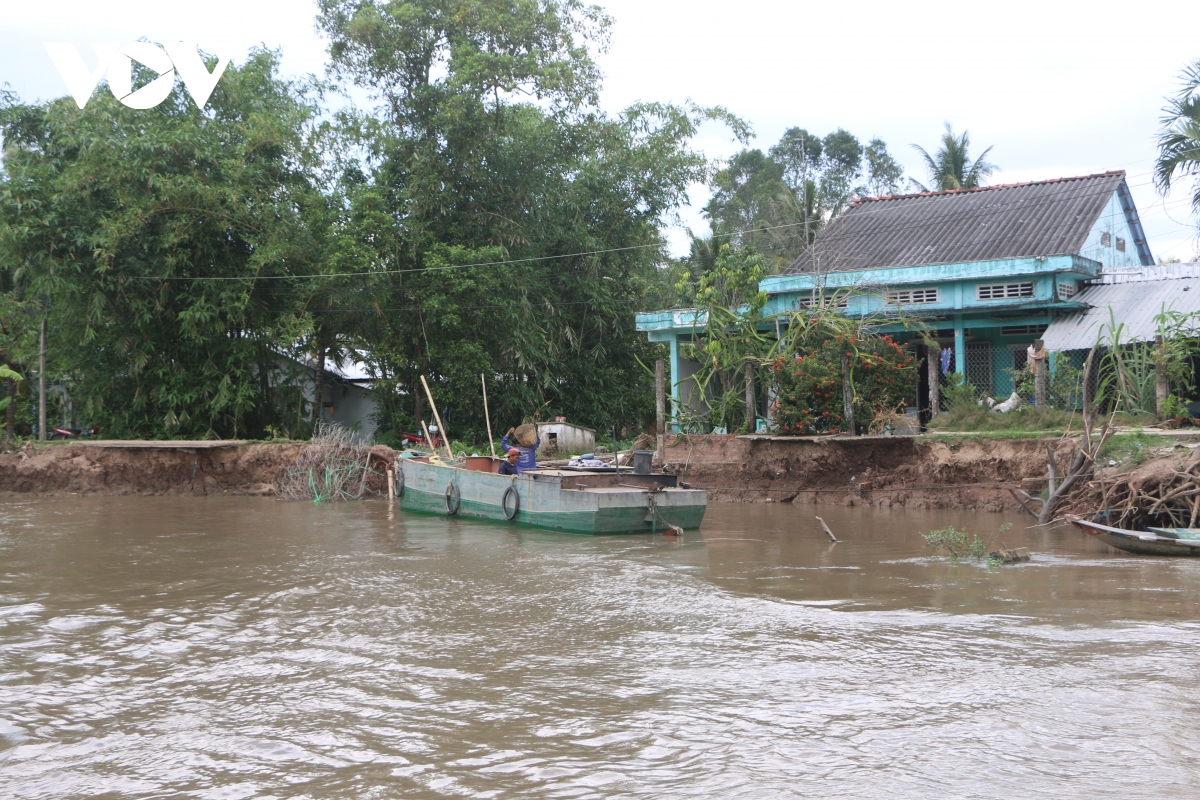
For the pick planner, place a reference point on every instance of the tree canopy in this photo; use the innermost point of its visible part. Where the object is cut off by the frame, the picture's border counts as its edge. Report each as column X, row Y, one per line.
column 951, row 167
column 487, row 217
column 1179, row 137
column 777, row 202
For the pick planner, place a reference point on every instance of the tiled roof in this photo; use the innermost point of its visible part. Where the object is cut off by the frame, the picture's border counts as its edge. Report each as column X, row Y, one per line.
column 1018, row 220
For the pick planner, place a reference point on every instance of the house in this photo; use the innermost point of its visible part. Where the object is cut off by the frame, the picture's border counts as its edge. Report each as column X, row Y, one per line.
column 986, row 270
column 345, row 392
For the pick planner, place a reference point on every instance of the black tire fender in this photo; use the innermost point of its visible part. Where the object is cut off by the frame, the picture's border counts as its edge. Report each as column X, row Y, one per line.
column 453, row 499
column 511, row 491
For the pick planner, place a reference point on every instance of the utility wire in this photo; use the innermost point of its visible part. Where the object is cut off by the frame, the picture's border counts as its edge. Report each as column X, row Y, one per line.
column 995, row 210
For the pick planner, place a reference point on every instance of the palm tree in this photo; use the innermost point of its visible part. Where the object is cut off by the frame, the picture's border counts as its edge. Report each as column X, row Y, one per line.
column 1179, row 139
column 951, row 168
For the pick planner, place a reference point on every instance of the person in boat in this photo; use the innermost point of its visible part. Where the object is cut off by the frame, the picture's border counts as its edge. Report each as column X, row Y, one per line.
column 509, row 465
column 528, row 454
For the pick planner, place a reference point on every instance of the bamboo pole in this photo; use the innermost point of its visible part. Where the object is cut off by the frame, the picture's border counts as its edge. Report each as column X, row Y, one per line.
column 487, row 416
column 42, row 382
column 438, row 419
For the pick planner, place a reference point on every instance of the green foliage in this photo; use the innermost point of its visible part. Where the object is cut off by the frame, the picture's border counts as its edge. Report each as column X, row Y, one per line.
column 777, row 202
column 950, row 167
column 1064, row 385
column 1174, row 408
column 490, row 161
column 185, row 254
column 960, row 544
column 959, row 395
column 1128, row 369
column 1131, row 448
column 7, row 374
column 729, row 306
column 1179, row 137
column 809, row 394
column 102, row 210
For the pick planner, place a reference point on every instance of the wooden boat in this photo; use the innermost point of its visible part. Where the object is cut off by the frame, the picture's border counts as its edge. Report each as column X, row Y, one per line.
column 557, row 500
column 1154, row 542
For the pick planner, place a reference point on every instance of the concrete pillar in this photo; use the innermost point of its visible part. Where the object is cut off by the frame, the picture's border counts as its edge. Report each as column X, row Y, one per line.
column 660, row 413
column 960, row 347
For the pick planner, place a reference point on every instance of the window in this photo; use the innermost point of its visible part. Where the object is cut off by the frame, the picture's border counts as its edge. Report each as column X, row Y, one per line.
column 1106, row 239
column 1120, row 245
column 809, row 301
column 999, row 291
column 1023, row 330
column 911, row 296
column 1066, row 290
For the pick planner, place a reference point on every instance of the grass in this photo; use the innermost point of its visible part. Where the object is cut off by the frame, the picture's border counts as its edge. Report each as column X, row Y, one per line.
column 1023, row 420
column 1132, row 448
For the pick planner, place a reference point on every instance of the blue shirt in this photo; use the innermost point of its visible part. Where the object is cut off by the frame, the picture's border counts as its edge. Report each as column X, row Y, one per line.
column 528, row 457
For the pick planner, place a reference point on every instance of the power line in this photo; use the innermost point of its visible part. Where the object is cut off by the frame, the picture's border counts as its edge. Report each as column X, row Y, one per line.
column 995, row 210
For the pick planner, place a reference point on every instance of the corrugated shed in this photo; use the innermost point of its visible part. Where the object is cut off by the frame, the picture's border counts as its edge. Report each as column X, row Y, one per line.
column 1132, row 303
column 1023, row 220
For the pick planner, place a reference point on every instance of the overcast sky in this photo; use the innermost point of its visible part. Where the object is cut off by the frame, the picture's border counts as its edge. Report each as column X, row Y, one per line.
column 1058, row 88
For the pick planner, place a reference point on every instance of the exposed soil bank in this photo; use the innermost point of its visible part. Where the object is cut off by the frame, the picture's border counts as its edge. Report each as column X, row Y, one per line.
column 100, row 468
column 883, row 471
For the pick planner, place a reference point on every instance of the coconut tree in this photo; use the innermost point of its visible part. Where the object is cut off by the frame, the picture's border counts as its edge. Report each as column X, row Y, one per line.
column 951, row 166
column 1179, row 137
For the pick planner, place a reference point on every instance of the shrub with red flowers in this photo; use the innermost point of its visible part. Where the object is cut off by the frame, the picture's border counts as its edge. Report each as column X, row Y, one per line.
column 809, row 385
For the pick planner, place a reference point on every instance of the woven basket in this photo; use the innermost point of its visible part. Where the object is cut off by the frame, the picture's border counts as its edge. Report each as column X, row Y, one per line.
column 526, row 435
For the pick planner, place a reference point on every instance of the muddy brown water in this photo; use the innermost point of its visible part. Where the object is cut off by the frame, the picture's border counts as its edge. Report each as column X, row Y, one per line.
column 248, row 647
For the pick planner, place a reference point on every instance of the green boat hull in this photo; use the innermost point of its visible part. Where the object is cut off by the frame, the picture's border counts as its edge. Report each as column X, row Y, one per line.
column 569, row 502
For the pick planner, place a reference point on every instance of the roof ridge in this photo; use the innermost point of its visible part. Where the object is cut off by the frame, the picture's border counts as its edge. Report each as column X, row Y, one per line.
column 857, row 202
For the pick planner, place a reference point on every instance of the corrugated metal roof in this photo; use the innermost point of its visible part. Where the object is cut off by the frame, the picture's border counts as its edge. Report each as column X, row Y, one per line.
column 1023, row 220
column 1134, row 304
column 1154, row 272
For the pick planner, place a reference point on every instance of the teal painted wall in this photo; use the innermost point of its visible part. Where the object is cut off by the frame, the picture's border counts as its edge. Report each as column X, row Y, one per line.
column 1113, row 221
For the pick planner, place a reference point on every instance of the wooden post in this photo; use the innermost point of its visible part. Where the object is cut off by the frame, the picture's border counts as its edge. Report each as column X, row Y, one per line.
column 847, row 396
column 42, row 383
column 1161, row 388
column 660, row 411
column 751, row 414
column 438, row 418
column 933, row 358
column 391, row 484
column 1039, row 374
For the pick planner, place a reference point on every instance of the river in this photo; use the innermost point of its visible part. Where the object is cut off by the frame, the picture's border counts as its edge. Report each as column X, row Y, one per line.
column 233, row 647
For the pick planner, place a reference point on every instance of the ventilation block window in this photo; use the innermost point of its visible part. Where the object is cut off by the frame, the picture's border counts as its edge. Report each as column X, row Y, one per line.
column 1106, row 239
column 1066, row 290
column 1000, row 291
column 1023, row 330
column 810, row 301
column 1120, row 245
column 912, row 296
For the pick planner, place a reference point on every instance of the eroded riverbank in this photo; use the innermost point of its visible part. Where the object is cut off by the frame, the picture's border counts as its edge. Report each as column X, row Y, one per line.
column 250, row 647
column 935, row 472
